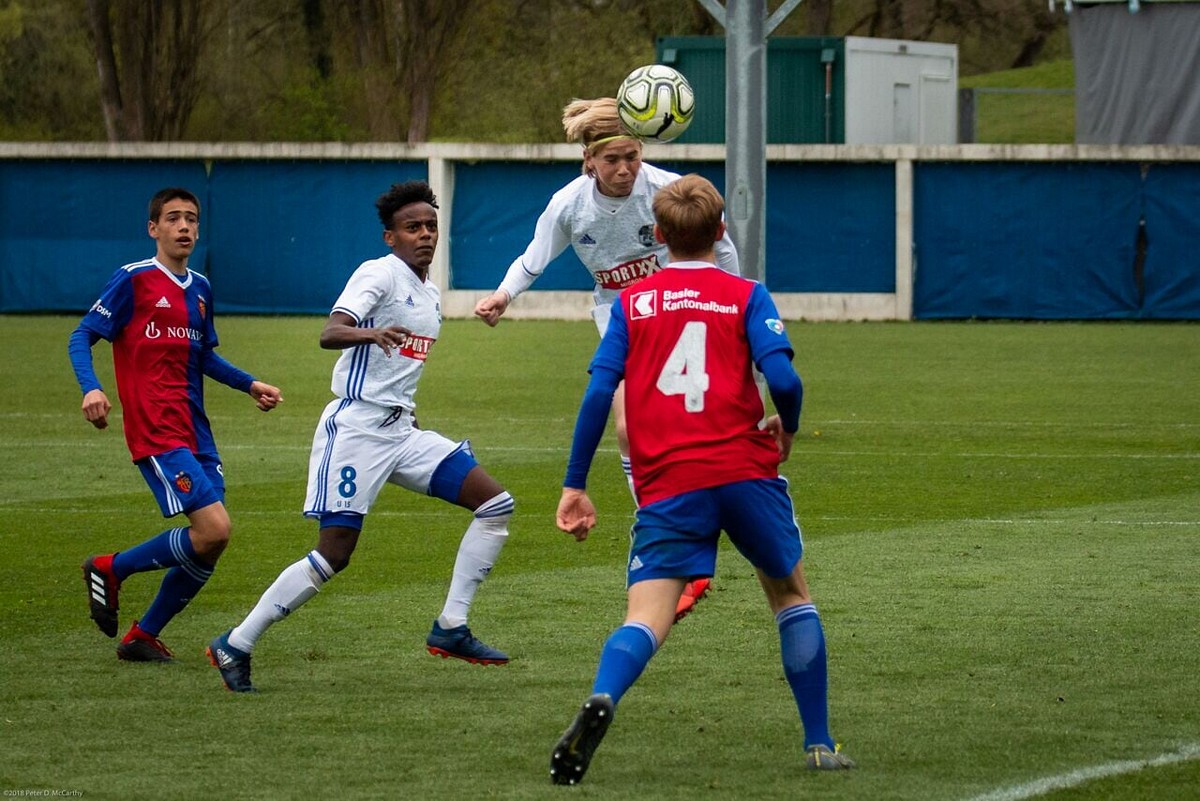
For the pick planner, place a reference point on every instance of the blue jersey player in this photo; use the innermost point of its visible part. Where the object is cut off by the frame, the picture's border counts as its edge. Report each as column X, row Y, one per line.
column 684, row 341
column 158, row 315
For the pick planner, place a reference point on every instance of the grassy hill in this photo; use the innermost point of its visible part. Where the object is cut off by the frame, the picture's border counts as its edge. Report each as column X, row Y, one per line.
column 1004, row 116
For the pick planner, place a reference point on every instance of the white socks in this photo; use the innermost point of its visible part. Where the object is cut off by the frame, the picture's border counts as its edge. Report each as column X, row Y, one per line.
column 296, row 584
column 477, row 553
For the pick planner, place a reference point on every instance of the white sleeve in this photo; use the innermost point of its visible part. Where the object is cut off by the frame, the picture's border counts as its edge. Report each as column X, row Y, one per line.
column 727, row 256
column 549, row 240
column 365, row 290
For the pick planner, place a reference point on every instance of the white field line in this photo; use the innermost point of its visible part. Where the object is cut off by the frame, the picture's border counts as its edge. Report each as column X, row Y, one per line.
column 1077, row 777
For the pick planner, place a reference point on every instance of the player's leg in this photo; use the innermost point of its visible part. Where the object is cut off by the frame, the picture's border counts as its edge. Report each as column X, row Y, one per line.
column 180, row 482
column 458, row 478
column 197, row 551
column 231, row 652
column 760, row 520
column 675, row 537
column 693, row 591
column 348, row 465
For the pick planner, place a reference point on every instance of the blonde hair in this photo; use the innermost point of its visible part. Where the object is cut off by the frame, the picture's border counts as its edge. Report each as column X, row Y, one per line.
column 688, row 212
column 594, row 123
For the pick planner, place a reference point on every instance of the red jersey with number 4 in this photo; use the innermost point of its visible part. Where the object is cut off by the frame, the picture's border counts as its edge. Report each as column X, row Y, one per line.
column 691, row 404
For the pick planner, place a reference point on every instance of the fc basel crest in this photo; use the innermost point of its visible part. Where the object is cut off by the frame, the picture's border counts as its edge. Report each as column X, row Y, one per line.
column 203, row 308
column 183, row 482
column 646, row 236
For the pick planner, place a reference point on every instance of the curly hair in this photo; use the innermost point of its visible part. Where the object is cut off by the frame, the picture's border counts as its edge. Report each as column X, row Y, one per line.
column 399, row 196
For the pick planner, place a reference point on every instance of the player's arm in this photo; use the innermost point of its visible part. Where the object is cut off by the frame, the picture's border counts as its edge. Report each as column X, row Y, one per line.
column 576, row 515
column 96, row 405
column 341, row 331
column 772, row 353
column 549, row 240
column 218, row 368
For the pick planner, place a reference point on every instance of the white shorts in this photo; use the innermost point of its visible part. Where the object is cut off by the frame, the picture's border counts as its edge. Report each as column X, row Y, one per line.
column 601, row 314
column 358, row 447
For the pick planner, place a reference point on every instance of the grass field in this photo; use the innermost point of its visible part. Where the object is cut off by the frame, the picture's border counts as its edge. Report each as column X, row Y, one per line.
column 1002, row 529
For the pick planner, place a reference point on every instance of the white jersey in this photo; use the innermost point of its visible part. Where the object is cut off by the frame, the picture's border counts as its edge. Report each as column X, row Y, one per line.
column 382, row 293
column 613, row 237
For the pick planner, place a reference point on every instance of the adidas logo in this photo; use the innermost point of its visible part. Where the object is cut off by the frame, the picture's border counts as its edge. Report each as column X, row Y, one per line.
column 635, row 564
column 409, row 302
column 163, row 303
column 224, row 659
column 283, row 610
column 586, row 239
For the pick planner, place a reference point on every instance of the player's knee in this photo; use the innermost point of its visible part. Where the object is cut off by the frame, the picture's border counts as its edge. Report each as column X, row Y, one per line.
column 494, row 513
column 211, row 539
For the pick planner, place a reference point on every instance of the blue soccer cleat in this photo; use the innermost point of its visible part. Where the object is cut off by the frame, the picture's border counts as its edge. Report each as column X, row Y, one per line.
column 573, row 752
column 459, row 643
column 233, row 664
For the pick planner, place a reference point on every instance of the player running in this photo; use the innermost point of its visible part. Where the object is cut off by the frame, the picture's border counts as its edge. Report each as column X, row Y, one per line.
column 385, row 322
column 158, row 315
column 684, row 340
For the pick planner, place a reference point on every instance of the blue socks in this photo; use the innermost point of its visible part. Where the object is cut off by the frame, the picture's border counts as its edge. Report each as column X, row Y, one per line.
column 170, row 549
column 179, row 586
column 802, row 642
column 625, row 656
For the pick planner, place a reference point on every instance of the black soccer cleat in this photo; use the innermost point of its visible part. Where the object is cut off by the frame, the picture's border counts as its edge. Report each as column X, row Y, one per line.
column 574, row 750
column 138, row 646
column 102, row 589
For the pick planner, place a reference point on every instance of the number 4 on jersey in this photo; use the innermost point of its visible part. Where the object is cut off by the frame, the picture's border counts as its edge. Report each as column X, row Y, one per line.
column 683, row 373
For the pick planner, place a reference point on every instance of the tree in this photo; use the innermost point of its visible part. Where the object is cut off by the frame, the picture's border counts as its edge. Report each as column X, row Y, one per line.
column 148, row 59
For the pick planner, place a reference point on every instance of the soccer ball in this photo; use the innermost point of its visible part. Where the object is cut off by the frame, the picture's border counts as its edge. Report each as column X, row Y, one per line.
column 656, row 103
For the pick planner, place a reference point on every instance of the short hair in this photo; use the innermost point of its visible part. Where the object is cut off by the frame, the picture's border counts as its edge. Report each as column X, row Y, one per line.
column 688, row 212
column 399, row 196
column 594, row 123
column 164, row 196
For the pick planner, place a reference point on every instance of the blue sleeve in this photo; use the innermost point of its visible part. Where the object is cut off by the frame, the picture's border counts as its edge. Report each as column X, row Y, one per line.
column 772, row 353
column 589, row 425
column 112, row 310
column 787, row 391
column 220, row 369
column 79, row 349
column 607, row 369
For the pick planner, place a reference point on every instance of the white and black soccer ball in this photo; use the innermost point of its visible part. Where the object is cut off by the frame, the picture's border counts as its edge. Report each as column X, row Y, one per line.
column 656, row 103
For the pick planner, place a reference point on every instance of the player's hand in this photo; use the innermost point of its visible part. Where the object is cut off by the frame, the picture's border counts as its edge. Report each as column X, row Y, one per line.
column 490, row 308
column 96, row 408
column 266, row 396
column 576, row 515
column 394, row 336
column 783, row 440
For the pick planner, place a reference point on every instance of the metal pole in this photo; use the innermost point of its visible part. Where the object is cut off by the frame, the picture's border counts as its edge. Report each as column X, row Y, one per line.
column 746, row 132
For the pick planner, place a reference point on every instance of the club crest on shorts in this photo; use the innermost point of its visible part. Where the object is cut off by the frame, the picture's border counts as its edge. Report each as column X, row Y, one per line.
column 183, row 482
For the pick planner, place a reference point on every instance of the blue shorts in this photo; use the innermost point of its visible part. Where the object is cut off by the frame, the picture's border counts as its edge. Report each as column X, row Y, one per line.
column 183, row 481
column 677, row 537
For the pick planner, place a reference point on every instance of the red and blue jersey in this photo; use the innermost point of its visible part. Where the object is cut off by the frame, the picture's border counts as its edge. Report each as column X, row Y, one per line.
column 161, row 329
column 685, row 340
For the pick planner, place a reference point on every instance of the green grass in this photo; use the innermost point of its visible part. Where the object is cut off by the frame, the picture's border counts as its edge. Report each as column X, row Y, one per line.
column 1002, row 118
column 1001, row 526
